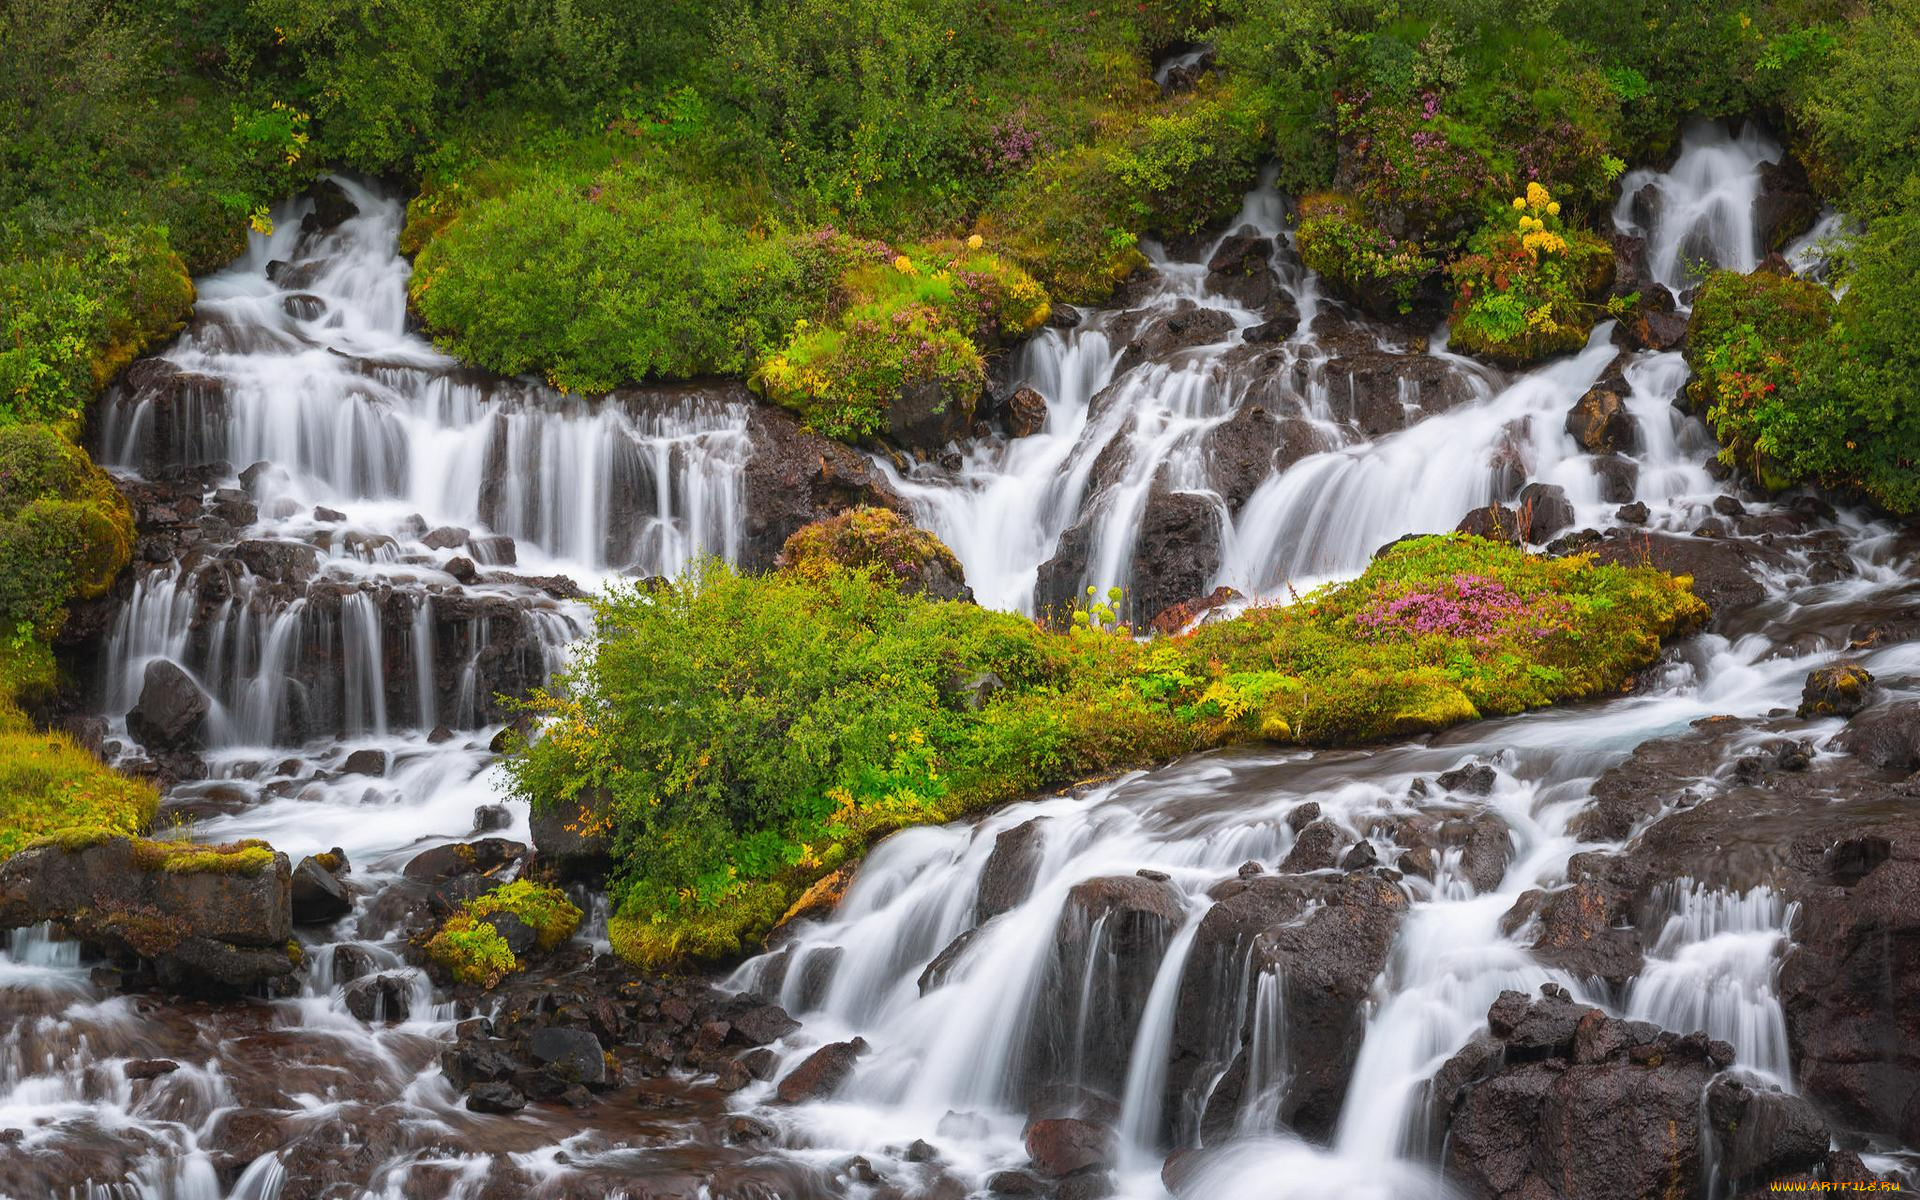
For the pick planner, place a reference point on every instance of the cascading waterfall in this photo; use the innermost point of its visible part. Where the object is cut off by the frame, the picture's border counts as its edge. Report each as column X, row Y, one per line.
column 329, row 619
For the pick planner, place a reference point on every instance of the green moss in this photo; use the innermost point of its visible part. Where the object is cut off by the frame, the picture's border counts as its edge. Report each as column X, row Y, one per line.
column 543, row 908
column 50, row 788
column 472, row 951
column 249, row 857
column 754, row 734
column 65, row 532
column 876, row 538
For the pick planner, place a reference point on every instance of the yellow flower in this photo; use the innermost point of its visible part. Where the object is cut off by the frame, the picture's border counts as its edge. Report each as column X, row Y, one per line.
column 975, row 242
column 1519, row 202
column 1538, row 196
column 903, row 264
column 1554, row 208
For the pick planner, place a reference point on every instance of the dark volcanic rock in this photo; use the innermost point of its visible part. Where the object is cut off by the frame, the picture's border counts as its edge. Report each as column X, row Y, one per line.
column 1326, row 938
column 1600, row 422
column 1761, row 1133
column 1008, row 875
column 1064, row 1145
column 795, row 477
column 1026, row 412
column 1251, row 445
column 1542, row 1118
column 171, row 713
column 379, row 998
column 1886, row 737
column 822, row 1073
column 1156, row 335
column 1544, row 511
column 1837, row 691
column 572, row 1054
column 317, row 896
column 1178, row 551
column 1242, row 269
column 1117, row 927
column 205, row 932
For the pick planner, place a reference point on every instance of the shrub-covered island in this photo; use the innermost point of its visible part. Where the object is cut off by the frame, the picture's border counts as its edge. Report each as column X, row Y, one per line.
column 746, row 736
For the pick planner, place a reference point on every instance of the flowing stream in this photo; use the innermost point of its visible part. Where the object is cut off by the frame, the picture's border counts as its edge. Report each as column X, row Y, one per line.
column 392, row 530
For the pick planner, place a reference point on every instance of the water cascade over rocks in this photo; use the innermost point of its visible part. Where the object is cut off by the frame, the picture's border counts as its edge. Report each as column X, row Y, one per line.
column 1251, row 974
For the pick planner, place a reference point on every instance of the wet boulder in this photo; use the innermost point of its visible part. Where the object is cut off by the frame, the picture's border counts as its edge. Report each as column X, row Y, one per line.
column 1176, row 617
column 1886, row 737
column 1026, row 412
column 1008, row 876
column 1107, row 946
column 931, row 413
column 279, row 562
column 1656, row 322
column 171, row 713
column 1601, row 422
column 1495, row 522
column 574, row 1055
column 331, row 208
column 1324, row 939
column 1244, row 450
column 1786, row 205
column 1563, row 1100
column 1178, row 551
column 317, row 894
column 1840, row 690
column 1241, row 269
column 794, row 476
column 223, row 929
column 821, row 1073
column 1316, row 848
column 379, row 998
column 1725, row 573
column 1761, row 1133
column 1062, row 1146
column 1619, row 477
column 1158, row 334
column 1543, row 511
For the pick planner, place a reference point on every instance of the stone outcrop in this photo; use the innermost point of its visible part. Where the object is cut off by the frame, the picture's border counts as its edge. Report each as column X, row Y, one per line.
column 199, row 927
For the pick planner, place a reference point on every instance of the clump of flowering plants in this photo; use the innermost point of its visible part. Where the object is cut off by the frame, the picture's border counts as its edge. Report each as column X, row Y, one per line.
column 1473, row 607
column 905, row 317
column 1526, row 285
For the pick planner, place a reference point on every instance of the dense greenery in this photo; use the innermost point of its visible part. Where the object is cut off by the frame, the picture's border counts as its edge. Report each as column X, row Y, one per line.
column 755, row 733
column 49, row 786
column 1526, row 286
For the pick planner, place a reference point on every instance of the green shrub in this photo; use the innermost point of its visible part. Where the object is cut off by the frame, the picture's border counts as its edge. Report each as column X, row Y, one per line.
column 64, row 531
column 627, row 276
column 919, row 318
column 1381, row 273
column 1524, row 289
column 756, row 733
column 1800, row 388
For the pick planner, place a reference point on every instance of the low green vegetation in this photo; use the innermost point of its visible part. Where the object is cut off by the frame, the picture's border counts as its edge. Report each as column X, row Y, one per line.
column 1527, row 285
column 470, row 947
column 756, row 733
column 52, row 788
column 869, row 538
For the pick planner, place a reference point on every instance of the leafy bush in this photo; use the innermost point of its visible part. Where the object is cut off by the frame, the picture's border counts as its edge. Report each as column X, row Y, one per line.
column 1523, row 289
column 1800, row 388
column 621, row 275
column 1374, row 269
column 64, row 531
column 756, row 733
column 915, row 319
column 472, row 951
column 541, row 907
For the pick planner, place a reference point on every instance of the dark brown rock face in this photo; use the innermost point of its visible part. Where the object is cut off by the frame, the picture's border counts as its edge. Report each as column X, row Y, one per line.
column 1565, row 1101
column 822, row 1073
column 204, row 932
column 794, row 478
column 1009, row 873
column 171, row 713
column 1837, row 691
column 1600, row 422
column 1324, row 938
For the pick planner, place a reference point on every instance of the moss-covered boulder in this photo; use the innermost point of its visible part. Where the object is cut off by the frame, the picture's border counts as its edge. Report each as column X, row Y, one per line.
column 64, row 531
column 880, row 539
column 206, row 919
column 493, row 935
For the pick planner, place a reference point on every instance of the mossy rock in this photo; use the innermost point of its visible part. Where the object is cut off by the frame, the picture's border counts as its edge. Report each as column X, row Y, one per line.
column 882, row 540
